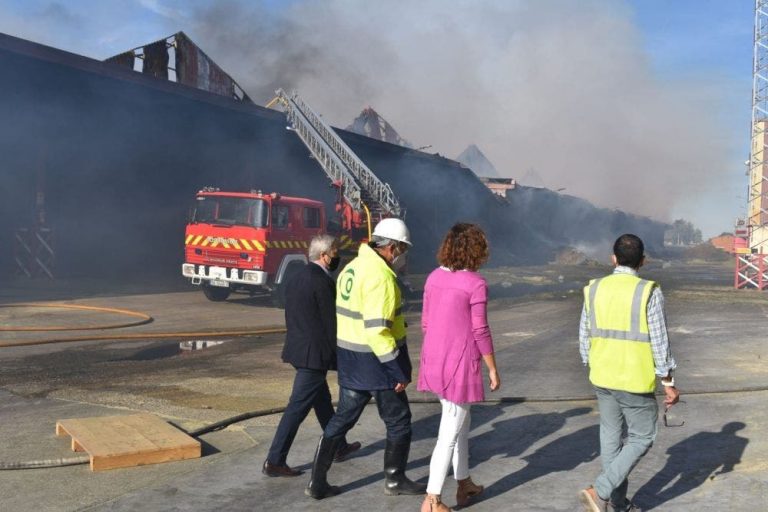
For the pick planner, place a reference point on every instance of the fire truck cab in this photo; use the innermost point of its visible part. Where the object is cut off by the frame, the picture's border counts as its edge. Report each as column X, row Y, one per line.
column 248, row 241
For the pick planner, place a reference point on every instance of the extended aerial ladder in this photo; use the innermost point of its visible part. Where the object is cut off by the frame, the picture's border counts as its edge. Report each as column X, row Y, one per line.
column 360, row 188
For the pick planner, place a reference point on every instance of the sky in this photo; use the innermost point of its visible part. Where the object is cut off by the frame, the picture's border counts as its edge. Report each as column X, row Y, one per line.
column 708, row 42
column 642, row 105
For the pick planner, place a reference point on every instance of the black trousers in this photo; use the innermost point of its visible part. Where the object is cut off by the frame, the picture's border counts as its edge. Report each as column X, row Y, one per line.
column 393, row 410
column 310, row 391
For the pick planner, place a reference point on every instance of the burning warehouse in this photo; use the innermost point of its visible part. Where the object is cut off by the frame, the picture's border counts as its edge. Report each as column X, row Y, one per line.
column 104, row 161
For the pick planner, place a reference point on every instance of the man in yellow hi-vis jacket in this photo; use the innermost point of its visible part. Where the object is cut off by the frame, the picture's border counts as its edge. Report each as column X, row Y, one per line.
column 372, row 358
column 623, row 339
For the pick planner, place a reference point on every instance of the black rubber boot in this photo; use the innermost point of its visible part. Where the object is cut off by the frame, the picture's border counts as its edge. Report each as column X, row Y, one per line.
column 318, row 487
column 395, row 460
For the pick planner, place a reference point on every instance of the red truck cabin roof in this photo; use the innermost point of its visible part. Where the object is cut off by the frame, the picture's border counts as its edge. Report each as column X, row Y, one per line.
column 267, row 197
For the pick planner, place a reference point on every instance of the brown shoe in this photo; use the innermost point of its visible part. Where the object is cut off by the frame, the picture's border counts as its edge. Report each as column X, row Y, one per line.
column 467, row 489
column 344, row 452
column 274, row 470
column 591, row 501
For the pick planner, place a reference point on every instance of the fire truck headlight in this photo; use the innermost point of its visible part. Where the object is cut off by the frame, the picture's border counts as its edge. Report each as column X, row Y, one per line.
column 188, row 270
column 250, row 276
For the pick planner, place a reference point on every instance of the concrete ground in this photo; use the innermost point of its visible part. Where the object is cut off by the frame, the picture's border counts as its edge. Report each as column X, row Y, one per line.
column 532, row 456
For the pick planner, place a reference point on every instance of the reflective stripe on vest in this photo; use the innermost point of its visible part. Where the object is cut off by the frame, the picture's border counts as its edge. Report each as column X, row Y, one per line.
column 634, row 333
column 356, row 347
column 369, row 317
column 620, row 355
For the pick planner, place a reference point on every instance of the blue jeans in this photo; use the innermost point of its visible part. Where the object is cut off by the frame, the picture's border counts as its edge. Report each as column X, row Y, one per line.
column 310, row 391
column 640, row 414
column 393, row 410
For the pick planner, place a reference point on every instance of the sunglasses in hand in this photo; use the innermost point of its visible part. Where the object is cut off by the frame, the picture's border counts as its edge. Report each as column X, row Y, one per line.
column 669, row 419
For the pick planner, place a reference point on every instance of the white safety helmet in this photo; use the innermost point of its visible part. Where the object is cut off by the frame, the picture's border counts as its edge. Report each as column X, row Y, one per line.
column 394, row 229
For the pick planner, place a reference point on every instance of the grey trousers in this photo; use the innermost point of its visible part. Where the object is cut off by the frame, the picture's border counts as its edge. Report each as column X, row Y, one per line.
column 640, row 414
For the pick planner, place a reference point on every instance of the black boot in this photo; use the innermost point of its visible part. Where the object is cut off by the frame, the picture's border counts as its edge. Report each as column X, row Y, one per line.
column 318, row 487
column 395, row 460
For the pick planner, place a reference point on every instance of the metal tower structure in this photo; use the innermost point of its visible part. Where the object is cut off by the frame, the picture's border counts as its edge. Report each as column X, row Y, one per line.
column 752, row 268
column 757, row 208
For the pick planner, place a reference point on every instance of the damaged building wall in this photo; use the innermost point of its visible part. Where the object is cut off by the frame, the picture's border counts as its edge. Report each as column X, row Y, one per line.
column 191, row 66
column 125, row 154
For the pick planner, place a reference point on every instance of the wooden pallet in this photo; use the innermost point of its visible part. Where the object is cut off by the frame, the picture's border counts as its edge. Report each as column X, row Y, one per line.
column 126, row 441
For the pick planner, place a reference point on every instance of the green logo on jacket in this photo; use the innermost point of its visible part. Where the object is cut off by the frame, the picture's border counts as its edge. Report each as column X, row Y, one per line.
column 347, row 280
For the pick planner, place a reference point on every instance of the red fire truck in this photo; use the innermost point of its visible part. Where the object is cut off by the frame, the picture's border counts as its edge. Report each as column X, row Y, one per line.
column 248, row 241
column 245, row 241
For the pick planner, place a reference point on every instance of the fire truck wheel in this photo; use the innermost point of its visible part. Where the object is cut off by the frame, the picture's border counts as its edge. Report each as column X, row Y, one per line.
column 215, row 293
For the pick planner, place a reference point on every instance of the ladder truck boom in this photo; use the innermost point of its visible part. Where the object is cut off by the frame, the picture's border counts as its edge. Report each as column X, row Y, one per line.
column 238, row 241
column 360, row 186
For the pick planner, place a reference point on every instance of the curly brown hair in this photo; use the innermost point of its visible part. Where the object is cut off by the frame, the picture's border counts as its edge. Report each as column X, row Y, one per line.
column 464, row 248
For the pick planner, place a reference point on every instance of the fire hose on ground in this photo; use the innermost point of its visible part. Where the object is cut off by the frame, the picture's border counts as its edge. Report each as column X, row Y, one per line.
column 222, row 424
column 142, row 320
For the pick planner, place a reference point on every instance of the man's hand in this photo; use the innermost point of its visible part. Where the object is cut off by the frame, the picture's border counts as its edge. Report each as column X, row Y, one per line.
column 400, row 387
column 493, row 380
column 672, row 396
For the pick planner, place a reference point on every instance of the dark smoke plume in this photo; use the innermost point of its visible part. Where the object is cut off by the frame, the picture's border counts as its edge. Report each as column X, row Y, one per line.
column 563, row 87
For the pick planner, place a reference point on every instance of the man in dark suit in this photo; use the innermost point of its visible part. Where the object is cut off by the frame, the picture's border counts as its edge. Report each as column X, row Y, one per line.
column 310, row 346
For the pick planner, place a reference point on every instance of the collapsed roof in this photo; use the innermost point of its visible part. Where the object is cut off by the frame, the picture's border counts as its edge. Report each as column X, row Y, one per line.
column 178, row 59
column 371, row 124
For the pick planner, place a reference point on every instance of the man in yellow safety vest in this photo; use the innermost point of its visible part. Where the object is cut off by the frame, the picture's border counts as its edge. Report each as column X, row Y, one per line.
column 372, row 356
column 623, row 339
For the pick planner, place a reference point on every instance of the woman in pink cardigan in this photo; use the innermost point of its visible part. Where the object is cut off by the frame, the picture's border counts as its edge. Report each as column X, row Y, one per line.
column 456, row 338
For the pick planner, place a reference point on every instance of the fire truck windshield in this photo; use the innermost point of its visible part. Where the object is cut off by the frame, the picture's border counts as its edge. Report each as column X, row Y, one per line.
column 230, row 211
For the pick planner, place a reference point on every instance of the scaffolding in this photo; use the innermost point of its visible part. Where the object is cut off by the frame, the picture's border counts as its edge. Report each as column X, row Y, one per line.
column 750, row 267
column 751, row 271
column 33, row 252
column 757, row 208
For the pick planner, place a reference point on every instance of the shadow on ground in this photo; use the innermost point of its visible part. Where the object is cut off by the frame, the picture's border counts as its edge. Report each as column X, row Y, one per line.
column 506, row 439
column 692, row 462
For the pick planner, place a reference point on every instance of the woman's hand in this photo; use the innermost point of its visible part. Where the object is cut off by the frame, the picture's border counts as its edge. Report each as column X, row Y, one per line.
column 493, row 380
column 493, row 375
